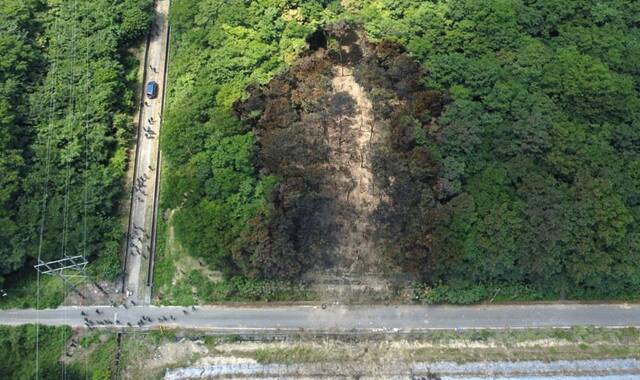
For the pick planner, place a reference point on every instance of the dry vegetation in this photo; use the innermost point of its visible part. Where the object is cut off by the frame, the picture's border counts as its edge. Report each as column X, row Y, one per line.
column 374, row 355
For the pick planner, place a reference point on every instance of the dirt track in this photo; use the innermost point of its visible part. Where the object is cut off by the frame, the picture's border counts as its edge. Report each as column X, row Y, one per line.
column 356, row 248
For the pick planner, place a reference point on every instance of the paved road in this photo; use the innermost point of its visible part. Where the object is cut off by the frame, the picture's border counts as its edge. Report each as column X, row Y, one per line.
column 343, row 318
column 139, row 250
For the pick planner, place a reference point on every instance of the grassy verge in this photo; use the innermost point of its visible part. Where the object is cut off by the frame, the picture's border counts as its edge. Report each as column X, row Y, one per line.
column 97, row 358
column 140, row 358
column 60, row 354
column 22, row 291
column 18, row 355
column 462, row 295
column 180, row 280
column 195, row 288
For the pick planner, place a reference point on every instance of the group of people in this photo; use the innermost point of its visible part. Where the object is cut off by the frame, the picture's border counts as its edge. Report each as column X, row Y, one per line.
column 140, row 185
column 73, row 344
column 138, row 236
column 93, row 323
column 148, row 131
column 144, row 319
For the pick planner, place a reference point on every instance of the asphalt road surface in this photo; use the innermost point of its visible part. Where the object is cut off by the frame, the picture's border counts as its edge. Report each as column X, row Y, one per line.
column 339, row 319
column 144, row 198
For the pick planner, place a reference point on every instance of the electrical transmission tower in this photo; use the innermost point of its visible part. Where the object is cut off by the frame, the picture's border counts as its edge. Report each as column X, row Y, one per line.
column 68, row 269
column 61, row 267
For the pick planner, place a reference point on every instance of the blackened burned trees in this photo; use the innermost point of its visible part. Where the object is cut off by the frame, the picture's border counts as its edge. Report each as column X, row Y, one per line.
column 406, row 171
column 345, row 133
column 343, row 44
column 292, row 117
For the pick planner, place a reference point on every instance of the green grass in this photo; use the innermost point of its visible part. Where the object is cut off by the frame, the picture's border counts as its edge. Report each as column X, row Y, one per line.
column 584, row 334
column 194, row 287
column 22, row 291
column 99, row 365
column 94, row 360
column 139, row 349
column 164, row 268
column 294, row 355
column 18, row 354
column 503, row 293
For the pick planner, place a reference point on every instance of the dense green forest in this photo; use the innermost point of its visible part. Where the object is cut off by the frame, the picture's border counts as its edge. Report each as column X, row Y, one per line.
column 218, row 49
column 539, row 148
column 66, row 90
column 534, row 161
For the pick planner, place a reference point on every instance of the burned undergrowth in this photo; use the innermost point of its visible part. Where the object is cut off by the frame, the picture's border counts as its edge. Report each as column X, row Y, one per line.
column 406, row 170
column 346, row 132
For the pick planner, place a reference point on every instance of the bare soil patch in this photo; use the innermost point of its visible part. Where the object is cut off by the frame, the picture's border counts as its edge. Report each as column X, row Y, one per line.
column 356, row 248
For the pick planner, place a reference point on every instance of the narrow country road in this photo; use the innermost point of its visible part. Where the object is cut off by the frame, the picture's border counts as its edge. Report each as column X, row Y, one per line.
column 141, row 227
column 338, row 319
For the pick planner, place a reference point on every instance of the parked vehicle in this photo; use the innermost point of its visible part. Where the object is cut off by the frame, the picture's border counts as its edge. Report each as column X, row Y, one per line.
column 152, row 90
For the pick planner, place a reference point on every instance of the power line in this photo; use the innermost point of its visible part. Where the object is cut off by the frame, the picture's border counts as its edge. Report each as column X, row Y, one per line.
column 86, row 146
column 52, row 106
column 65, row 221
column 86, row 163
